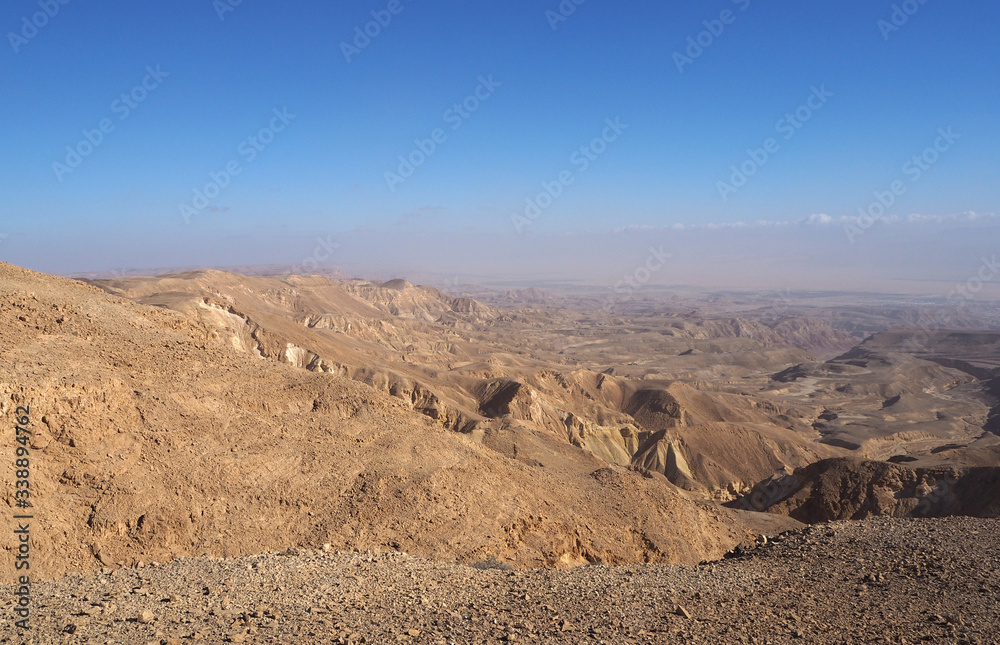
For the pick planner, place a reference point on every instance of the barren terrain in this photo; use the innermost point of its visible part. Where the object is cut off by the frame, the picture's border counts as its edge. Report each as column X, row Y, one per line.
column 188, row 418
column 875, row 581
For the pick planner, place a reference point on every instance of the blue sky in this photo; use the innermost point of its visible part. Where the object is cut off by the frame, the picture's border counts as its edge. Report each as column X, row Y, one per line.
column 553, row 86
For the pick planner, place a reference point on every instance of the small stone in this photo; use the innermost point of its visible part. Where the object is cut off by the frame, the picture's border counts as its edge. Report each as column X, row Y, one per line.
column 146, row 616
column 681, row 611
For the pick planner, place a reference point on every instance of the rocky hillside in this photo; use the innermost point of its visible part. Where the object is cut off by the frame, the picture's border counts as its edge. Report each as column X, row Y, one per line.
column 153, row 438
column 852, row 489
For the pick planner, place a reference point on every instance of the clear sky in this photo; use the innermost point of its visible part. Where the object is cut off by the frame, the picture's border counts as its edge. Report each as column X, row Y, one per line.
column 314, row 116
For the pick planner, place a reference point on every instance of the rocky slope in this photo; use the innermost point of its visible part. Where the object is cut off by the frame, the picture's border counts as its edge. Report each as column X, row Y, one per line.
column 875, row 581
column 153, row 439
column 842, row 489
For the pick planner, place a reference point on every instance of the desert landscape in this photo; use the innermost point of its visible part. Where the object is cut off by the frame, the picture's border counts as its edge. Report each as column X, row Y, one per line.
column 451, row 323
column 284, row 458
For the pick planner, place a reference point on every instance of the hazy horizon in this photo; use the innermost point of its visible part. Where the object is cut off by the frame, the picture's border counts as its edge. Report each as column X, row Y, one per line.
column 731, row 145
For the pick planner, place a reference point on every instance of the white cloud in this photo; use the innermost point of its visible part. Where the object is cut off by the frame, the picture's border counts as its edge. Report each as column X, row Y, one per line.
column 816, row 219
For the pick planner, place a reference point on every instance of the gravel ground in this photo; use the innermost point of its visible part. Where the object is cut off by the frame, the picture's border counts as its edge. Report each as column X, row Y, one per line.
column 875, row 581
